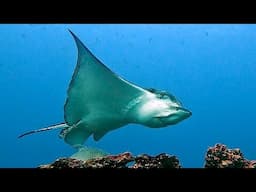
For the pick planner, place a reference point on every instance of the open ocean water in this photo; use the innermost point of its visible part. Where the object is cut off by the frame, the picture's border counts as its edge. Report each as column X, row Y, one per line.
column 210, row 68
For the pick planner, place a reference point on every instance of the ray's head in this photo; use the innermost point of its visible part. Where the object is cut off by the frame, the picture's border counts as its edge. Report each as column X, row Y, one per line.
column 160, row 109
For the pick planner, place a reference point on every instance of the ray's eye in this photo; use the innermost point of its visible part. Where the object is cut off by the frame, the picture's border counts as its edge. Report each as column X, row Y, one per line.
column 162, row 96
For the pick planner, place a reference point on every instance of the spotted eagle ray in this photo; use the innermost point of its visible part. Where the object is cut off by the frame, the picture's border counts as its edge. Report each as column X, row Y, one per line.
column 99, row 101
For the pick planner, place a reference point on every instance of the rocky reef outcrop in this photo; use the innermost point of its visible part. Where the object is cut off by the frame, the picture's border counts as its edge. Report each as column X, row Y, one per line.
column 124, row 160
column 218, row 156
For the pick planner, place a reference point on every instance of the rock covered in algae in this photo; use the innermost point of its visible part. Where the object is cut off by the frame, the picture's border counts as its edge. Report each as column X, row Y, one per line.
column 220, row 156
column 119, row 161
column 162, row 160
column 111, row 161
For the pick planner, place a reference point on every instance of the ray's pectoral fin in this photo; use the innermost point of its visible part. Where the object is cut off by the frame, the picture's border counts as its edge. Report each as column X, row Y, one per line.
column 98, row 135
column 89, row 98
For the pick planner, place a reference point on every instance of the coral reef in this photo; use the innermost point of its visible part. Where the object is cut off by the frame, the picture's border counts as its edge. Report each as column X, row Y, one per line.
column 220, row 156
column 119, row 161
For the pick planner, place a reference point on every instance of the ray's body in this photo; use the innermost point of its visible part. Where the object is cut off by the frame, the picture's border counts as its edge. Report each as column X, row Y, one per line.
column 99, row 101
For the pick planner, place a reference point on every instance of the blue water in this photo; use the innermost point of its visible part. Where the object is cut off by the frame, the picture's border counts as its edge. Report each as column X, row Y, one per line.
column 210, row 68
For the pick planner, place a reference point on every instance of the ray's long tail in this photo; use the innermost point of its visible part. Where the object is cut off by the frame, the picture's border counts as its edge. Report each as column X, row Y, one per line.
column 52, row 127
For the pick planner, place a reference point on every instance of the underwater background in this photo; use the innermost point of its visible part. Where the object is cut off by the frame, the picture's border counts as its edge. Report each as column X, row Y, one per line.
column 210, row 68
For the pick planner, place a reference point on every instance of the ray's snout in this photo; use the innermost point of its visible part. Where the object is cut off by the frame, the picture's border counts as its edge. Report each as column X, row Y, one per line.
column 186, row 112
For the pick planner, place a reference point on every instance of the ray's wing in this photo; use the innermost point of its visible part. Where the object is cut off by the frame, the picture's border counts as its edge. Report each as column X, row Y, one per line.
column 94, row 88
